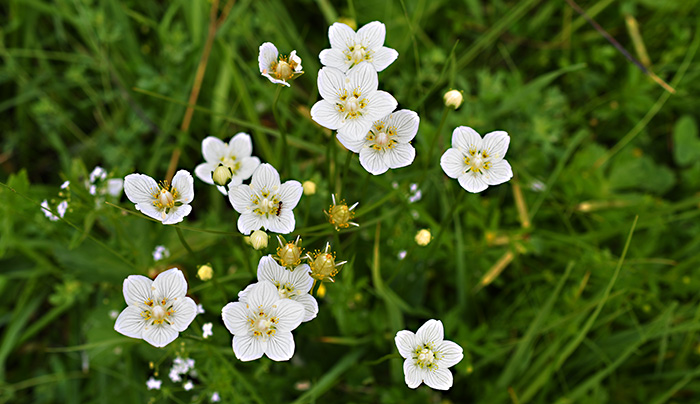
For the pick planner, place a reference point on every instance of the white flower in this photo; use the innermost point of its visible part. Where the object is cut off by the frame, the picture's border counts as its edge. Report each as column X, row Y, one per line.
column 92, row 190
column 428, row 356
column 180, row 367
column 157, row 310
column 295, row 284
column 115, row 186
column 98, row 173
column 349, row 48
column 234, row 155
column 206, row 330
column 386, row 145
column 265, row 202
column 200, row 309
column 351, row 103
column 166, row 202
column 160, row 252
column 62, row 208
column 65, row 185
column 47, row 211
column 475, row 162
column 188, row 385
column 263, row 324
column 401, row 255
column 113, row 314
column 153, row 384
column 215, row 398
column 279, row 69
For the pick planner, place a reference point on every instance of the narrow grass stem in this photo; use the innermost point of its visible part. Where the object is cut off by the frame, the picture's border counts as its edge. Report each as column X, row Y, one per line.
column 183, row 241
column 428, row 157
column 283, row 132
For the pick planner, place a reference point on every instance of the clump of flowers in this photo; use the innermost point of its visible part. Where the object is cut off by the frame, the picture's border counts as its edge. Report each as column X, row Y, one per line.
column 167, row 202
column 160, row 252
column 322, row 264
column 279, row 69
column 289, row 253
column 340, row 215
column 350, row 48
column 227, row 164
column 181, row 366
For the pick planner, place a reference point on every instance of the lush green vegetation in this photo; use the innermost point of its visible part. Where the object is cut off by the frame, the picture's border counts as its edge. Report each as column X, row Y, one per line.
column 574, row 282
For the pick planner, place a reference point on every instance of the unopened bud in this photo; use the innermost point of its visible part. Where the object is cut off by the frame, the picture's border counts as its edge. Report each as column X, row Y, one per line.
column 323, row 265
column 221, row 175
column 423, row 237
column 453, row 98
column 259, row 239
column 205, row 272
column 309, row 187
column 289, row 254
column 340, row 215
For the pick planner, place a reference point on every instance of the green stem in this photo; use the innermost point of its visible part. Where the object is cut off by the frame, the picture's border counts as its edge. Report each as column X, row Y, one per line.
column 283, row 133
column 183, row 241
column 346, row 167
column 436, row 137
column 314, row 287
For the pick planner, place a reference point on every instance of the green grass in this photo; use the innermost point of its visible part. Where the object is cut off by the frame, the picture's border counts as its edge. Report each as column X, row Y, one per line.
column 597, row 300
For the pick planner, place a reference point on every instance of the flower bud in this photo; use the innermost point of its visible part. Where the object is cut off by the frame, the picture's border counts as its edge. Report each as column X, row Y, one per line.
column 309, row 187
column 259, row 239
column 221, row 175
column 205, row 272
column 323, row 265
column 423, row 237
column 289, row 254
column 339, row 215
column 453, row 98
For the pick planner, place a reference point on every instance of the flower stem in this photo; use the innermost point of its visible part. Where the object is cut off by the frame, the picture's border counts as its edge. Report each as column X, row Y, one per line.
column 183, row 241
column 314, row 287
column 436, row 137
column 283, row 132
column 342, row 177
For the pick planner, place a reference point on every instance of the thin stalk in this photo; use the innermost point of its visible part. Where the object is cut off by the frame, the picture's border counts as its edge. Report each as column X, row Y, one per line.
column 436, row 137
column 183, row 241
column 283, row 133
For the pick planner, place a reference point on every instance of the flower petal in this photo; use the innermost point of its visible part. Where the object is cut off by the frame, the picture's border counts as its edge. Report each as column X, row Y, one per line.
column 452, row 163
column 288, row 312
column 283, row 223
column 364, row 78
column 263, row 294
column 213, row 149
column 373, row 161
column 499, row 173
column 450, row 354
column 130, row 322
column 406, row 123
column 184, row 184
column 300, row 278
column 331, row 84
column 268, row 54
column 473, row 182
column 247, row 348
column 240, row 145
column 140, row 188
column 290, row 193
column 334, row 58
column 412, row 374
column 341, row 36
column 241, row 197
column 185, row 312
column 372, row 35
column 159, row 335
column 466, row 139
column 383, row 57
column 249, row 222
column 137, row 290
column 326, row 114
column 150, row 210
column 401, row 155
column 270, row 270
column 406, row 343
column 204, row 172
column 430, row 332
column 177, row 214
column 438, row 379
column 310, row 306
column 495, row 144
column 280, row 347
column 247, row 168
column 352, row 143
column 169, row 285
column 265, row 177
column 243, row 294
column 357, row 127
column 380, row 104
column 235, row 316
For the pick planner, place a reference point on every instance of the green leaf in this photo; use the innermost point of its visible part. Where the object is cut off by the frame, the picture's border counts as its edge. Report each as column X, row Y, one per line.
column 686, row 143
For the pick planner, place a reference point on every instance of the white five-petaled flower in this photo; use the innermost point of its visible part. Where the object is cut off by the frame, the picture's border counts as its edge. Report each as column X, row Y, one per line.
column 428, row 356
column 263, row 324
column 157, row 310
column 349, row 48
column 386, row 145
column 234, row 155
column 188, row 385
column 279, row 69
column 167, row 202
column 295, row 284
column 153, row 384
column 351, row 102
column 476, row 162
column 265, row 202
column 206, row 330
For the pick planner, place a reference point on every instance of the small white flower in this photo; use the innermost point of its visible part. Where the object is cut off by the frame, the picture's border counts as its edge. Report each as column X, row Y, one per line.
column 115, row 186
column 157, row 310
column 153, row 384
column 428, row 356
column 188, row 385
column 206, row 330
column 475, row 162
column 62, row 208
column 295, row 284
column 174, row 375
column 279, row 69
column 160, row 252
column 47, row 211
column 65, row 185
column 113, row 314
column 263, row 324
column 92, row 190
column 215, row 398
column 166, row 202
column 234, row 155
column 200, row 309
column 386, row 145
column 98, row 173
column 349, row 48
column 351, row 102
column 266, row 203
column 401, row 255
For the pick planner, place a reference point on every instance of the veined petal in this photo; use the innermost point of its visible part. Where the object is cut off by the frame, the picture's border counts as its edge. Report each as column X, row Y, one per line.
column 274, row 80
column 383, row 57
column 159, row 335
column 204, row 172
column 264, row 295
column 473, row 182
column 137, row 290
column 130, row 322
column 406, row 343
column 185, row 311
column 380, row 104
column 300, row 278
column 452, row 163
column 240, row 145
column 213, row 149
column 326, row 114
column 296, row 59
column 333, row 57
column 363, row 77
column 247, row 347
column 373, row 161
column 372, row 35
column 310, row 306
column 265, row 177
column 288, row 312
column 243, row 294
column 268, row 54
column 283, row 223
column 406, row 123
column 466, row 139
column 235, row 316
column 290, row 193
column 499, row 173
column 495, row 144
column 341, row 36
column 438, row 379
column 352, row 143
column 280, row 347
column 270, row 270
column 240, row 197
column 412, row 374
column 430, row 332
column 177, row 214
column 247, row 168
column 450, row 354
column 356, row 127
column 140, row 188
column 150, row 210
column 331, row 84
column 401, row 155
column 169, row 285
column 249, row 222
column 184, row 184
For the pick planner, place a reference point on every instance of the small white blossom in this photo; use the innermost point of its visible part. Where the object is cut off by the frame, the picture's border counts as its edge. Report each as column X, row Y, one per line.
column 401, row 255
column 428, row 356
column 98, row 173
column 188, row 385
column 200, row 309
column 295, row 284
column 153, row 384
column 157, row 310
column 234, row 155
column 180, row 367
column 349, row 48
column 278, row 69
column 206, row 330
column 263, row 324
column 351, row 102
column 115, row 186
column 47, row 211
column 62, row 208
column 92, row 189
column 215, row 398
column 113, row 314
column 65, row 185
column 160, row 252
column 386, row 145
column 266, row 203
column 477, row 163
column 166, row 202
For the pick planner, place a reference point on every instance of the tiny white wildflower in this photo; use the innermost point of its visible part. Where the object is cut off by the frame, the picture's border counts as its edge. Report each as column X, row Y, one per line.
column 174, row 375
column 236, row 156
column 206, row 330
column 98, row 173
column 188, row 385
column 166, row 202
column 402, row 254
column 115, row 186
column 47, row 211
column 113, row 314
column 62, row 208
column 160, row 252
column 415, row 197
column 278, row 69
column 65, row 185
column 157, row 311
column 92, row 189
column 428, row 356
column 153, row 384
column 266, row 203
column 200, row 309
column 475, row 162
column 215, row 398
column 350, row 48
